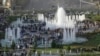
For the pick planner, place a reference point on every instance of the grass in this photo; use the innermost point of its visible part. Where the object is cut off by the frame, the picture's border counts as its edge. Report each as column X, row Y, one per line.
column 93, row 41
column 47, row 50
column 54, row 51
column 90, row 54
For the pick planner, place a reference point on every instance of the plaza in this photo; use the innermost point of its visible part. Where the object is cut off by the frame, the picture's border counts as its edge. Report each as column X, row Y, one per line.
column 55, row 31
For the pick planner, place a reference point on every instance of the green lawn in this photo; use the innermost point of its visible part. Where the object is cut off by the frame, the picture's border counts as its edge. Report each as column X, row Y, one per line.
column 47, row 50
column 93, row 41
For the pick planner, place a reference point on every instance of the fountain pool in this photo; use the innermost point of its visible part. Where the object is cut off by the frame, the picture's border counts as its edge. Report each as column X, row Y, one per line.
column 68, row 24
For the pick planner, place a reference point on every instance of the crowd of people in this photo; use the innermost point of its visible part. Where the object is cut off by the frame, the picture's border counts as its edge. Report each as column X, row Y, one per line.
column 89, row 26
column 3, row 22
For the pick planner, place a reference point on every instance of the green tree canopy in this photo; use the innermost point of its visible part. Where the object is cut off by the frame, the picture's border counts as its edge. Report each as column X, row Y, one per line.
column 13, row 45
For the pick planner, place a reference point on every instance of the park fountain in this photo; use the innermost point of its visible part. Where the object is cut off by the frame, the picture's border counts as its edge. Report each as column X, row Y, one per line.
column 67, row 23
column 61, row 20
column 12, row 33
column 40, row 16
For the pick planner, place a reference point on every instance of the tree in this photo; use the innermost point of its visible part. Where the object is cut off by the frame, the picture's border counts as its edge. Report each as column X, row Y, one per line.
column 61, row 52
column 13, row 45
column 2, row 35
column 53, row 44
column 6, row 48
column 96, row 18
column 34, row 44
column 39, row 54
column 0, row 45
column 68, row 48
